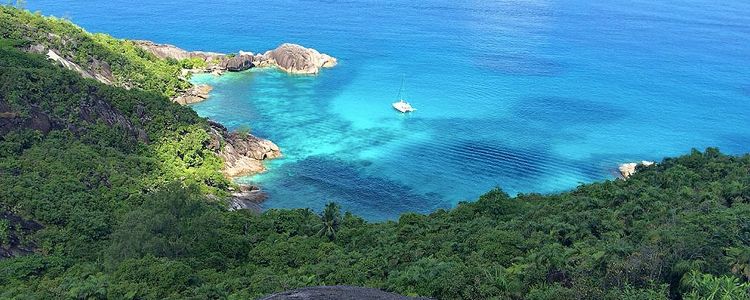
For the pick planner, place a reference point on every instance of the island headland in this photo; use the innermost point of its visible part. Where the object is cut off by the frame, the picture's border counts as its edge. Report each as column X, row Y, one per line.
column 243, row 154
column 154, row 68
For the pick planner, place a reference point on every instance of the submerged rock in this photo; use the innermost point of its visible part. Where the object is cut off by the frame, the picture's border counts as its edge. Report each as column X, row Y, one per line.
column 628, row 169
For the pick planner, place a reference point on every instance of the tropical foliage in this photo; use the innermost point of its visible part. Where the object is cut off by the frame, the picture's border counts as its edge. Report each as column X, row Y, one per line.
column 128, row 197
column 131, row 66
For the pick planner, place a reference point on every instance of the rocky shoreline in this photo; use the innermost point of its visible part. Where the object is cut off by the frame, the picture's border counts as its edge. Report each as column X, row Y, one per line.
column 628, row 169
column 242, row 153
column 290, row 58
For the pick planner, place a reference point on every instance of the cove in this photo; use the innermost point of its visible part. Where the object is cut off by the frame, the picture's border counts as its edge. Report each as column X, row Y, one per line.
column 535, row 96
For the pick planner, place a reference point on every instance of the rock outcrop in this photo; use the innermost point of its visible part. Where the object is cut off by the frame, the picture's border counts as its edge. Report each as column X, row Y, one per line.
column 195, row 94
column 628, row 169
column 91, row 110
column 243, row 153
column 18, row 227
column 97, row 70
column 291, row 58
column 165, row 51
column 248, row 197
column 238, row 63
column 296, row 59
column 338, row 292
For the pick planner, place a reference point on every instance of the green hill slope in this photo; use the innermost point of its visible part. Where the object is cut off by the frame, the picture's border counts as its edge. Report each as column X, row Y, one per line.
column 103, row 194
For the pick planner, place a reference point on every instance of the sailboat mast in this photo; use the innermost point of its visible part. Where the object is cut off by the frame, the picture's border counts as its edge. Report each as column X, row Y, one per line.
column 401, row 89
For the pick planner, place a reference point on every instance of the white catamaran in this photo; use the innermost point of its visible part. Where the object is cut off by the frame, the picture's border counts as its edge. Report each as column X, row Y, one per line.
column 402, row 105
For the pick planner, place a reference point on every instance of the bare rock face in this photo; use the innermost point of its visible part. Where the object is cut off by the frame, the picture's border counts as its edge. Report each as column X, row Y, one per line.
column 243, row 154
column 98, row 70
column 102, row 111
column 295, row 59
column 195, row 94
column 248, row 197
column 628, row 169
column 165, row 51
column 18, row 228
column 91, row 110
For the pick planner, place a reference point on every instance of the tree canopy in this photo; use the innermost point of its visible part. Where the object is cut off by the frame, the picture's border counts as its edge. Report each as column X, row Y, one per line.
column 110, row 213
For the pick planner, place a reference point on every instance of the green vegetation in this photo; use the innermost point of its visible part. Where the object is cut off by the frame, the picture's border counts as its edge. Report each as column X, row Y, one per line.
column 128, row 216
column 193, row 63
column 130, row 65
column 243, row 130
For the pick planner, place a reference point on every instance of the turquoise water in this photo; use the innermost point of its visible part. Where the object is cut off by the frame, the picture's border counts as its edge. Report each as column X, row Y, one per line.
column 530, row 96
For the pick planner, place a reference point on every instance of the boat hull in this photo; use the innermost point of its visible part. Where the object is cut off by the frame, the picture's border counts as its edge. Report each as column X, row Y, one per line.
column 403, row 107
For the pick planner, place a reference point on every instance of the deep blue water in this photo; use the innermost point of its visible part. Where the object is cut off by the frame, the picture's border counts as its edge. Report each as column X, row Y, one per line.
column 530, row 96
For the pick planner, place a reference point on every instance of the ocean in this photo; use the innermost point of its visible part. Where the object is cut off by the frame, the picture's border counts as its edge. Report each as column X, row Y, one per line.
column 527, row 96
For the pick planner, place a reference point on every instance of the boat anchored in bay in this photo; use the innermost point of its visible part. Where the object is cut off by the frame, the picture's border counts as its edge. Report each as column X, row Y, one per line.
column 401, row 105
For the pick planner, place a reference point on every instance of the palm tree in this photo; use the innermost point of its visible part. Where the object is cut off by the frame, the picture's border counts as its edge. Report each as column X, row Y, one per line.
column 330, row 220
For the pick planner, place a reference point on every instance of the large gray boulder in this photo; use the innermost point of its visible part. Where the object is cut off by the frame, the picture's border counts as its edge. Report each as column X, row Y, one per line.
column 238, row 63
column 295, row 59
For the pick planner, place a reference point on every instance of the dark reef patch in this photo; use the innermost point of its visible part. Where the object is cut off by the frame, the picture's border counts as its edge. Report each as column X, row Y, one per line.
column 565, row 111
column 346, row 183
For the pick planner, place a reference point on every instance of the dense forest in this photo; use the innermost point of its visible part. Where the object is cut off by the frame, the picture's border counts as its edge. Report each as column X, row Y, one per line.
column 108, row 192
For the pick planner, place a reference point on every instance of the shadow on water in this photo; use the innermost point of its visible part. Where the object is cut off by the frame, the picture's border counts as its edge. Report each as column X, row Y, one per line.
column 345, row 182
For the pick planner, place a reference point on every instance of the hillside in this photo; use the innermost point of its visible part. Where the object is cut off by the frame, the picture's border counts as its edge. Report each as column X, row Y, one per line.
column 113, row 61
column 107, row 192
